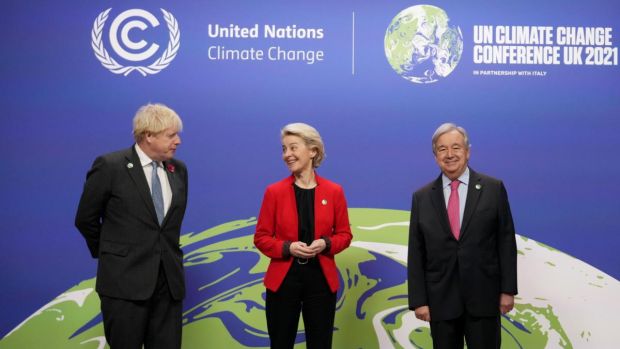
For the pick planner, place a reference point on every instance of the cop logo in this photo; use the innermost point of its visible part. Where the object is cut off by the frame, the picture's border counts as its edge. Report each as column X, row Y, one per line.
column 130, row 50
column 421, row 46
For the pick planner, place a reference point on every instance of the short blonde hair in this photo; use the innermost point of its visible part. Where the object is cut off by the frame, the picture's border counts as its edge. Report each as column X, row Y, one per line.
column 311, row 138
column 154, row 118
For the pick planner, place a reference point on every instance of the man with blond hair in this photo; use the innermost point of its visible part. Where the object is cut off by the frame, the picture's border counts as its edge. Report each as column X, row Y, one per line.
column 130, row 215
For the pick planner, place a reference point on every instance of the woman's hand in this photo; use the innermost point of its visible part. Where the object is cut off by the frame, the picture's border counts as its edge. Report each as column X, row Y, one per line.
column 318, row 246
column 299, row 249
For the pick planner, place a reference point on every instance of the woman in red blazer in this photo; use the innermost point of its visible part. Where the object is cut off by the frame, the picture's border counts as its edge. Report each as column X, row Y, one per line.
column 303, row 223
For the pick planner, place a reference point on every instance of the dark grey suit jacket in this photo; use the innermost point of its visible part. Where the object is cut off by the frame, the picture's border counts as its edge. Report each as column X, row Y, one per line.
column 453, row 276
column 117, row 218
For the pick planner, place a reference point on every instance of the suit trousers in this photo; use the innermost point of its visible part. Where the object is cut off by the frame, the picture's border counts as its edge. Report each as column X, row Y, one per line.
column 478, row 332
column 155, row 322
column 304, row 290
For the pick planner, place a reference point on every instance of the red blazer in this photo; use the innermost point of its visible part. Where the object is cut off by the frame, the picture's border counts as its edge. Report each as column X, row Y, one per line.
column 277, row 224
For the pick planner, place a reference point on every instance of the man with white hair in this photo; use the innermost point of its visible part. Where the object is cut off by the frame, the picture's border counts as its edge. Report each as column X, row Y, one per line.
column 462, row 264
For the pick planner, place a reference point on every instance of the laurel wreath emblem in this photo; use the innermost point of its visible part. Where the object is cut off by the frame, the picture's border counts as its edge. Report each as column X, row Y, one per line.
column 112, row 65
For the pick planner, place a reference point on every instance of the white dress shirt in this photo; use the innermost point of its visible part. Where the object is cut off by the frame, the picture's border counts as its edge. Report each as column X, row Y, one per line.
column 146, row 161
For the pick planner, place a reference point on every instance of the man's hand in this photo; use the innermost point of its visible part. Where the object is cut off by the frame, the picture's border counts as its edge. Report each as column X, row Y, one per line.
column 506, row 302
column 423, row 313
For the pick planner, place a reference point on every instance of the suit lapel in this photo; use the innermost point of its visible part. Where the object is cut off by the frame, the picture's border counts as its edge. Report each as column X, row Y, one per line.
column 173, row 179
column 290, row 204
column 439, row 202
column 137, row 175
column 474, row 189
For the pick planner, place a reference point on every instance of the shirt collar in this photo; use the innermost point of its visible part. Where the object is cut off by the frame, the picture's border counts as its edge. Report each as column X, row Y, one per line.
column 144, row 159
column 464, row 178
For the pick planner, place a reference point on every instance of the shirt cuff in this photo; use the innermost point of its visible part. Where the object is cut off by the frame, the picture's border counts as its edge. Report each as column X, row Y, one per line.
column 328, row 244
column 286, row 250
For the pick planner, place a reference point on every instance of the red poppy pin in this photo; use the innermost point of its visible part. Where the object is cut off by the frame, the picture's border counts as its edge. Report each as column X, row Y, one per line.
column 170, row 168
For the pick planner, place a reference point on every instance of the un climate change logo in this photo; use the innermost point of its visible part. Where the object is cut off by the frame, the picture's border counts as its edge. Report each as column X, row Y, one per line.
column 421, row 46
column 137, row 51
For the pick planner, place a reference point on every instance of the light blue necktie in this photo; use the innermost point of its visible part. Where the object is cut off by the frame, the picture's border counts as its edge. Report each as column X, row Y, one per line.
column 156, row 193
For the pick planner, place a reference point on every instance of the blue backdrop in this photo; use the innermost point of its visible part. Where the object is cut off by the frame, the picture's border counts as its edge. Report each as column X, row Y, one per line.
column 553, row 139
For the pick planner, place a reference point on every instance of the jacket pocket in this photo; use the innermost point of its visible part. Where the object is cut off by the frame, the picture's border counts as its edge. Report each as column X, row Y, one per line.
column 491, row 270
column 113, row 248
column 434, row 276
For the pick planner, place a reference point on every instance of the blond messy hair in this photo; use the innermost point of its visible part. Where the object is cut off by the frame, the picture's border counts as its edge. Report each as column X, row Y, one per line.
column 153, row 119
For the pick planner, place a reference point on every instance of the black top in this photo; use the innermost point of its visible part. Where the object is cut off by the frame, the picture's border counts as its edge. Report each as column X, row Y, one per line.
column 305, row 213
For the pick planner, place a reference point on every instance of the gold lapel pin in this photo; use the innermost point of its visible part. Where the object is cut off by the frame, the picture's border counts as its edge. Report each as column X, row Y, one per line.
column 130, row 165
column 324, row 202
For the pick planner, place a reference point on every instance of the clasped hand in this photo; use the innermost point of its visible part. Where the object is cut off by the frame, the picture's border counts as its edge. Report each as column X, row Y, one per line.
column 300, row 249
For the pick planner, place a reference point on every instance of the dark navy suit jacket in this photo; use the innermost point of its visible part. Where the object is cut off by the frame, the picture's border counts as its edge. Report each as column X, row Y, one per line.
column 452, row 276
column 117, row 218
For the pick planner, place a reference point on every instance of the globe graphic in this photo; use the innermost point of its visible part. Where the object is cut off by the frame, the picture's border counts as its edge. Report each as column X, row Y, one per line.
column 421, row 46
column 563, row 302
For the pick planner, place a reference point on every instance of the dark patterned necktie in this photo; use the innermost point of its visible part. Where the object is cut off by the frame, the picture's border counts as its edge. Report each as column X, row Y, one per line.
column 156, row 193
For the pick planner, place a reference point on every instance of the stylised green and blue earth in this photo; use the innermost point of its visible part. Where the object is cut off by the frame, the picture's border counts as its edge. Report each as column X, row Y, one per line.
column 421, row 46
column 563, row 302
